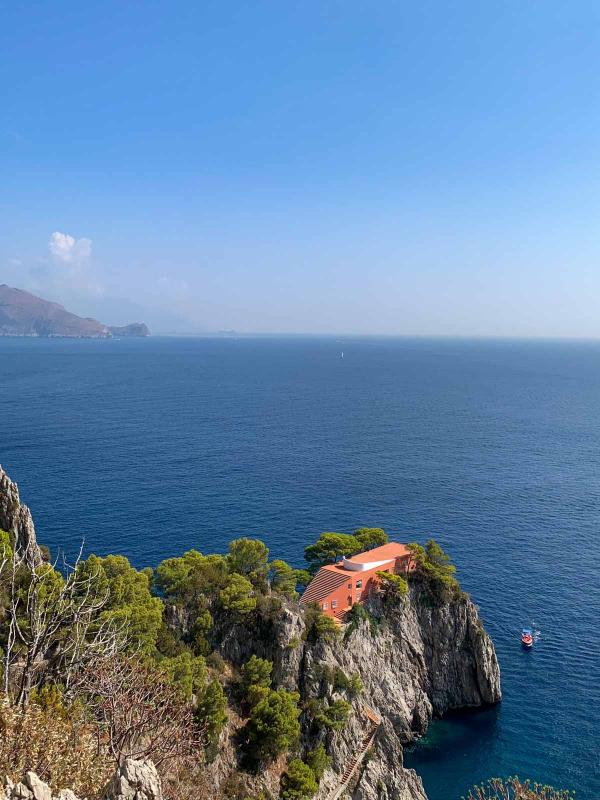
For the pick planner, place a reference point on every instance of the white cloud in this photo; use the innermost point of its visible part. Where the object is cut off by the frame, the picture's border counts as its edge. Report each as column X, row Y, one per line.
column 68, row 250
column 68, row 270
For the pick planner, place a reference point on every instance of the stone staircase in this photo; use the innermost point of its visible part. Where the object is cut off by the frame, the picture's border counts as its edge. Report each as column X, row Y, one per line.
column 374, row 721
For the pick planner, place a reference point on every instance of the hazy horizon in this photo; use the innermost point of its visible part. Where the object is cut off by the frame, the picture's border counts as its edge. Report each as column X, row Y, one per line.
column 322, row 168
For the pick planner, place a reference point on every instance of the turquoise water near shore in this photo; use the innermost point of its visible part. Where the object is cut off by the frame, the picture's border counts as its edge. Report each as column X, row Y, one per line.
column 150, row 447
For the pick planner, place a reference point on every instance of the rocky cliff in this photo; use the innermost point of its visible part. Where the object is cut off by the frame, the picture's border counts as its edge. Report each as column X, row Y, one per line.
column 15, row 518
column 133, row 780
column 416, row 660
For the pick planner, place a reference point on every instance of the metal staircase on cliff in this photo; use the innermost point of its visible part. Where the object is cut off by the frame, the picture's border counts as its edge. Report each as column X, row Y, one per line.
column 374, row 721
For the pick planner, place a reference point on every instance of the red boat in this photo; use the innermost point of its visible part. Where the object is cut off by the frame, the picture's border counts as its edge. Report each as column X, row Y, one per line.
column 527, row 638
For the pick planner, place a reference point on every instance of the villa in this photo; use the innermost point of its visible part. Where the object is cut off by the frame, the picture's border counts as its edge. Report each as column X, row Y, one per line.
column 337, row 587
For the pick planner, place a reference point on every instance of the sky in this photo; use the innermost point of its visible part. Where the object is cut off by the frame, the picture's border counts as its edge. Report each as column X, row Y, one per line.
column 413, row 168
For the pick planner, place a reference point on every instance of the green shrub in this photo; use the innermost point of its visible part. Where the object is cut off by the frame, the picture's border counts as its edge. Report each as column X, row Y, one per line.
column 167, row 643
column 256, row 672
column 329, row 547
column 333, row 716
column 435, row 570
column 318, row 761
column 515, row 789
column 283, row 578
column 356, row 615
column 216, row 662
column 319, row 626
column 395, row 585
column 130, row 602
column 250, row 558
column 186, row 671
column 273, row 726
column 238, row 595
column 298, row 781
column 211, row 710
column 192, row 578
column 369, row 538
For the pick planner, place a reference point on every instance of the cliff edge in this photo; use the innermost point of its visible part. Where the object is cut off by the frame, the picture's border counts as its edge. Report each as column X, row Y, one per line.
column 416, row 659
column 15, row 518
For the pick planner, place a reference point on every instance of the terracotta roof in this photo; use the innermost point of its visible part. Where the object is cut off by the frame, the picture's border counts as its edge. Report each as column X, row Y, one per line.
column 324, row 582
column 386, row 551
column 331, row 576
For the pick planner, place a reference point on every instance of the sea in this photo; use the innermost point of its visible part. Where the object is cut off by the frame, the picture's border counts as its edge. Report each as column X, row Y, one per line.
column 149, row 447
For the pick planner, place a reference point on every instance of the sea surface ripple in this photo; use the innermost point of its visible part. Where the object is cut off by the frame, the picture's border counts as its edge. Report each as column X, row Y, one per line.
column 151, row 447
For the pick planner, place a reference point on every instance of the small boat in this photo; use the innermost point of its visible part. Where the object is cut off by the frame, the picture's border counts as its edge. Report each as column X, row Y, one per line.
column 527, row 638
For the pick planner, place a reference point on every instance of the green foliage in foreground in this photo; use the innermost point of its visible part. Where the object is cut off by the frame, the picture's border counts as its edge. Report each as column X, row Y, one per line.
column 301, row 779
column 338, row 680
column 515, row 789
column 130, row 600
column 298, row 782
column 5, row 547
column 284, row 579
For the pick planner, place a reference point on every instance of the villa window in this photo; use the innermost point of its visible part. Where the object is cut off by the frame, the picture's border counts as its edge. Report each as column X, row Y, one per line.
column 359, row 584
column 349, row 585
column 325, row 606
column 334, row 603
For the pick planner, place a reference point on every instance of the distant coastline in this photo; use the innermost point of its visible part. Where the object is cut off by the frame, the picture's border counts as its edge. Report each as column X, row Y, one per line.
column 24, row 315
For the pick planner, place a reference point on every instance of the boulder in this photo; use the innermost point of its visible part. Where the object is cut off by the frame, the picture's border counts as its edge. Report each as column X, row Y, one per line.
column 135, row 780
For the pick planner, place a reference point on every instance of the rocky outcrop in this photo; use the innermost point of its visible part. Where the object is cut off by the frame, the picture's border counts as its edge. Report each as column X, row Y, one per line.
column 134, row 780
column 15, row 518
column 420, row 661
column 416, row 659
column 133, row 329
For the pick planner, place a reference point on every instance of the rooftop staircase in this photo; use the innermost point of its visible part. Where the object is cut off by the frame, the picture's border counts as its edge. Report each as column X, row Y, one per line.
column 374, row 721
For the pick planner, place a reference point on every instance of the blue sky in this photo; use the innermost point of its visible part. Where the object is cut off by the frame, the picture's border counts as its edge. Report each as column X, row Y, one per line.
column 358, row 167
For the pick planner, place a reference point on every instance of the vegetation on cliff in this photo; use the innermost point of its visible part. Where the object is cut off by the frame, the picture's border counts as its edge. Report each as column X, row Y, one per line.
column 516, row 789
column 179, row 663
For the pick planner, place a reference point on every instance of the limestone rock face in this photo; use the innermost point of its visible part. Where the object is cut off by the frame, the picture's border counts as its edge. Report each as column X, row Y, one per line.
column 422, row 659
column 15, row 518
column 135, row 780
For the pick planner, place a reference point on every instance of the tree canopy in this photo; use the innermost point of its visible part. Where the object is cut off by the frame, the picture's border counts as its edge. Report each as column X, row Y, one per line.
column 298, row 782
column 250, row 558
column 238, row 595
column 434, row 568
column 331, row 546
column 273, row 726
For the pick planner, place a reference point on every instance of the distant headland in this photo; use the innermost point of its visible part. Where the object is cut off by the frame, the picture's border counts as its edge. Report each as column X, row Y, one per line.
column 24, row 314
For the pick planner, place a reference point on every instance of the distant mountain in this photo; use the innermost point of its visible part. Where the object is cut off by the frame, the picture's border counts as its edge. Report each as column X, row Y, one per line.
column 24, row 314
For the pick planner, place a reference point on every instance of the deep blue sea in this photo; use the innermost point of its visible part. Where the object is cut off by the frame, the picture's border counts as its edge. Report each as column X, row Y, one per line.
column 150, row 447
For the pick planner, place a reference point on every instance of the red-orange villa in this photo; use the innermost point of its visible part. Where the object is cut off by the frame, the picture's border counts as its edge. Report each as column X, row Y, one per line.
column 336, row 587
